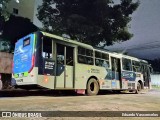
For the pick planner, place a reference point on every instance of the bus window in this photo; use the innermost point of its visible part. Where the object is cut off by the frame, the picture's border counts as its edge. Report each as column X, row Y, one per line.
column 85, row 56
column 98, row 54
column 89, row 52
column 81, row 59
column 113, row 61
column 60, row 54
column 105, row 56
column 47, row 48
column 89, row 60
column 105, row 64
column 101, row 59
column 69, row 56
column 126, row 64
column 81, row 51
column 136, row 66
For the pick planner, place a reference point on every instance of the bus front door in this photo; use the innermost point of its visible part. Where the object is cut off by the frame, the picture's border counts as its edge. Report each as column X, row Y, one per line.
column 146, row 76
column 116, row 73
column 64, row 67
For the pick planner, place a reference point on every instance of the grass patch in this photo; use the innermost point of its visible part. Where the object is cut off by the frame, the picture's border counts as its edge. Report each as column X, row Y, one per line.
column 155, row 86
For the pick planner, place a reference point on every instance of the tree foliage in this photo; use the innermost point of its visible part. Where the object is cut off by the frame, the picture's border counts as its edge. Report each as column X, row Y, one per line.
column 155, row 64
column 13, row 27
column 4, row 15
column 3, row 8
column 16, row 28
column 88, row 21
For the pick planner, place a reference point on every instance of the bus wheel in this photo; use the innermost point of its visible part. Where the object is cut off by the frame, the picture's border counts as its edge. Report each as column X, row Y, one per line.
column 139, row 88
column 1, row 84
column 92, row 87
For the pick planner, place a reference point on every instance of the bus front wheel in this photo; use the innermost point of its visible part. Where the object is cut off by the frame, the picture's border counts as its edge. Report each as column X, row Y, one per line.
column 92, row 87
column 139, row 88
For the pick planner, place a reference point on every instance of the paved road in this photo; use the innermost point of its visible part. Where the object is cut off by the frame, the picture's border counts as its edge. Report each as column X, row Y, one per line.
column 51, row 101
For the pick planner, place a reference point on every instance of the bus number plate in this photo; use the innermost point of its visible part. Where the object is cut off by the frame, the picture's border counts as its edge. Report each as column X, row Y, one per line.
column 20, row 80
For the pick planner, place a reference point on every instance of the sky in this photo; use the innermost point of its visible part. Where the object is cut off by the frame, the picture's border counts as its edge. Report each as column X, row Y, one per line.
column 145, row 26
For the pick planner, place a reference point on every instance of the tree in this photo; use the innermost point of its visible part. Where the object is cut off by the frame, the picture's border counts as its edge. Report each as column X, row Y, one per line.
column 16, row 28
column 155, row 64
column 4, row 15
column 3, row 8
column 88, row 21
column 13, row 27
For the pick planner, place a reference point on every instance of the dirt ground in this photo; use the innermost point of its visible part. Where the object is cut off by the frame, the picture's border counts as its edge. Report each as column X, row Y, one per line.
column 106, row 101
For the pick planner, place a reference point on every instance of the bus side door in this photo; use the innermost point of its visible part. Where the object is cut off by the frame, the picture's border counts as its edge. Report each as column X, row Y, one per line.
column 64, row 67
column 116, row 73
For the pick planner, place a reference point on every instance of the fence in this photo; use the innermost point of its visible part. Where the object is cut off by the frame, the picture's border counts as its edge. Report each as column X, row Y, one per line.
column 155, row 79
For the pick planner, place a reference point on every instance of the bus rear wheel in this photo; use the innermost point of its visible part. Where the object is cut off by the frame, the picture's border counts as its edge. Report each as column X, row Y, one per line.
column 1, row 85
column 92, row 87
column 139, row 88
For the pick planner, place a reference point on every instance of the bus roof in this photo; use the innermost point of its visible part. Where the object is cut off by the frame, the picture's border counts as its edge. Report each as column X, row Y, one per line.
column 66, row 40
column 90, row 47
column 119, row 55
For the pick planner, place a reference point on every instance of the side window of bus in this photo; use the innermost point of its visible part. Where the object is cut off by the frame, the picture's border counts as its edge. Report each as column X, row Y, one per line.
column 60, row 54
column 85, row 56
column 47, row 48
column 126, row 64
column 136, row 66
column 101, row 59
column 69, row 55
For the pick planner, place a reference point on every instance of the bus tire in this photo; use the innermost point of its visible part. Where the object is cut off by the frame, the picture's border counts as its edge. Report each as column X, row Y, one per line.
column 139, row 88
column 92, row 87
column 1, row 85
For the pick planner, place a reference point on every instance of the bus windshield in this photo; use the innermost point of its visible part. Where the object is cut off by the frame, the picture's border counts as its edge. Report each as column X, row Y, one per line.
column 23, row 54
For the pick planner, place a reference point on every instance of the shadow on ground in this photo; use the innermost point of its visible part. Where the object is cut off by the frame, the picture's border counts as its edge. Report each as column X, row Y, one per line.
column 22, row 93
column 52, row 93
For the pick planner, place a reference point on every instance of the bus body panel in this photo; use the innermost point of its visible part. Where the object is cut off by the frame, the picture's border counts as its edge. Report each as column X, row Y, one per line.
column 60, row 81
column 139, row 77
column 46, row 81
column 130, row 79
column 30, row 79
column 69, row 77
column 83, row 73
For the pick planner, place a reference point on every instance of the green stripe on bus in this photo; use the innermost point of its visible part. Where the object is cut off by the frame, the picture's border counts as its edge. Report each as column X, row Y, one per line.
column 16, row 75
column 25, row 74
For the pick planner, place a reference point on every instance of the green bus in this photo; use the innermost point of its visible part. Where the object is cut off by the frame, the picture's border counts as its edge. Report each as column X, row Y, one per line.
column 49, row 61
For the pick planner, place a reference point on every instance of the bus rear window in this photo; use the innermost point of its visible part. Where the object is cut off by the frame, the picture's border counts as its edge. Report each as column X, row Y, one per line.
column 26, row 42
column 47, row 48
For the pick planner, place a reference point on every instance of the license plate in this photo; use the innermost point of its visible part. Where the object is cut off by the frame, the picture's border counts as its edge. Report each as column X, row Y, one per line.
column 20, row 80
